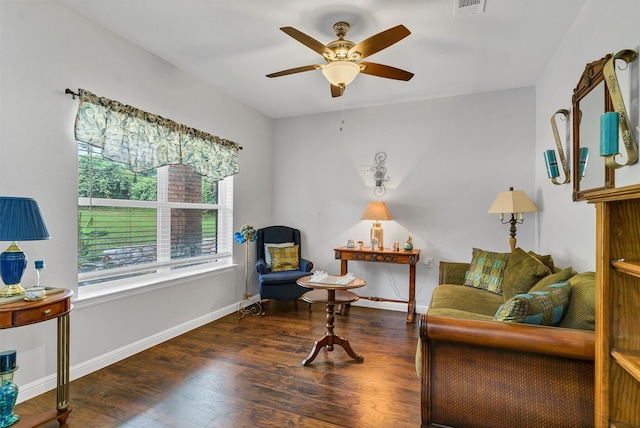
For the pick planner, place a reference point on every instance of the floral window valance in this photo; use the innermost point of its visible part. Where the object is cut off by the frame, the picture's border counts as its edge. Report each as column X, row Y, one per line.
column 146, row 141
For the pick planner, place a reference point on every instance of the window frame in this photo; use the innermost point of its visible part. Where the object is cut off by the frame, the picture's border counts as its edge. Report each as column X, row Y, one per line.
column 164, row 267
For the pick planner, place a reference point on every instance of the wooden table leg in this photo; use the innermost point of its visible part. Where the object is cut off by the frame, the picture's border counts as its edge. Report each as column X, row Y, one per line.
column 411, row 309
column 329, row 339
column 343, row 267
column 343, row 309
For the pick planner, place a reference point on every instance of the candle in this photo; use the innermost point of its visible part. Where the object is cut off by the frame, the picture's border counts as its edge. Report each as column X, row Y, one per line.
column 7, row 361
column 609, row 133
column 552, row 163
column 584, row 158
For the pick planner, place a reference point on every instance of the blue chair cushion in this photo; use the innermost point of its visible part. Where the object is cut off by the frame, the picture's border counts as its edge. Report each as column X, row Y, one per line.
column 284, row 277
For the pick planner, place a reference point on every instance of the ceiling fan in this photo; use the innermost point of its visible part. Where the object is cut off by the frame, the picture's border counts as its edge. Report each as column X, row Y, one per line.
column 342, row 56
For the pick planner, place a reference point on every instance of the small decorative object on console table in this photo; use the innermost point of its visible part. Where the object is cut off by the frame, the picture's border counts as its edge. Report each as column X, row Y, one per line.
column 246, row 235
column 39, row 265
column 408, row 246
column 406, row 257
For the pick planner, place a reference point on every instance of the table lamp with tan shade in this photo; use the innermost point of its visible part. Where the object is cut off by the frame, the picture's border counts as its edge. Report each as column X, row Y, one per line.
column 377, row 211
column 516, row 203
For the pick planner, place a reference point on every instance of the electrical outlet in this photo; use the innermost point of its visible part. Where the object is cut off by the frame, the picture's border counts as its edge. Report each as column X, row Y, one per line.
column 429, row 263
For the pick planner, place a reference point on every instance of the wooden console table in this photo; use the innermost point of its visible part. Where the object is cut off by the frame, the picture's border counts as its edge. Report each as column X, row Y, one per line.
column 402, row 257
column 54, row 305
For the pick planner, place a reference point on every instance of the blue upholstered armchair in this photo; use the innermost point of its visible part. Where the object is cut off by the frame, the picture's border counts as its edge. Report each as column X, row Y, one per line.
column 280, row 285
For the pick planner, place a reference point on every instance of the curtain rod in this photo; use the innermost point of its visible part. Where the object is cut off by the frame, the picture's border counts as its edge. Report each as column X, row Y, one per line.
column 76, row 94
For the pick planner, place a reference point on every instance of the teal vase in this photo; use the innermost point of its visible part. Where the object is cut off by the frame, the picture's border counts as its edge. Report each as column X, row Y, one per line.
column 8, row 396
column 8, row 389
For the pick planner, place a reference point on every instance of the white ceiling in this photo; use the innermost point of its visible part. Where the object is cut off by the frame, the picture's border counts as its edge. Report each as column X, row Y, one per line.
column 233, row 44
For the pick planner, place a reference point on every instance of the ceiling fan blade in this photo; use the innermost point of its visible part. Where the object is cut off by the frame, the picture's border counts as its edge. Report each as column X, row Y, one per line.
column 309, row 42
column 337, row 91
column 378, row 42
column 386, row 71
column 295, row 70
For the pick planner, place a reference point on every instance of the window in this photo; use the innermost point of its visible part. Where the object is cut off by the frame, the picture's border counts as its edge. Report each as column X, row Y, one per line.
column 132, row 224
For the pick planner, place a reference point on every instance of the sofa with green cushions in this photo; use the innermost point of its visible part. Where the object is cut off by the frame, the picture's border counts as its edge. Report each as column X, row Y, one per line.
column 514, row 347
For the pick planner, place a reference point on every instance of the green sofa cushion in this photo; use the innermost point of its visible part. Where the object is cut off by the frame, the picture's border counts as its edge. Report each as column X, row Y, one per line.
column 522, row 272
column 581, row 313
column 544, row 307
column 464, row 299
column 487, row 270
column 554, row 278
column 457, row 313
column 546, row 259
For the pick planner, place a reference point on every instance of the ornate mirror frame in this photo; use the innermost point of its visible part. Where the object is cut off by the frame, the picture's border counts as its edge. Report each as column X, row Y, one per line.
column 587, row 92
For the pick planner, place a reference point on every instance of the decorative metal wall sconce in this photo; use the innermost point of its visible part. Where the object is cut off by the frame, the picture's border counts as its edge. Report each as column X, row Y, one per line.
column 380, row 174
column 550, row 156
column 626, row 132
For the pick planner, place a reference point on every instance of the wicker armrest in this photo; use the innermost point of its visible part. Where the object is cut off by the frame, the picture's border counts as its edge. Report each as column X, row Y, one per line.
column 556, row 341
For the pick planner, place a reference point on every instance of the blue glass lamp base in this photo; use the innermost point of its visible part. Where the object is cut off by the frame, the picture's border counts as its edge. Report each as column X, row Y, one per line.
column 13, row 262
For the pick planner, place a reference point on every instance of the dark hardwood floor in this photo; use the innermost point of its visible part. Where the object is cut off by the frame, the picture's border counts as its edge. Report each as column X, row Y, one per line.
column 249, row 373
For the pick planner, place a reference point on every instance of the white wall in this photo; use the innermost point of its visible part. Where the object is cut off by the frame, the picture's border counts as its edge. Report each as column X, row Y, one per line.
column 45, row 48
column 566, row 228
column 447, row 160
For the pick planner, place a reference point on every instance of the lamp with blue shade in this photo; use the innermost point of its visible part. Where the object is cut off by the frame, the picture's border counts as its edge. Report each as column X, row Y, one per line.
column 20, row 220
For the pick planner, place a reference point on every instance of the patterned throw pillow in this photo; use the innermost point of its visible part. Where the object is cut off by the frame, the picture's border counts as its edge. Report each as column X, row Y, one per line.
column 267, row 254
column 285, row 258
column 522, row 272
column 487, row 270
column 544, row 307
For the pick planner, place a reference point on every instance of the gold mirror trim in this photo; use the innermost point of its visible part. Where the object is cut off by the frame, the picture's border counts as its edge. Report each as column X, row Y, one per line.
column 556, row 135
column 628, row 138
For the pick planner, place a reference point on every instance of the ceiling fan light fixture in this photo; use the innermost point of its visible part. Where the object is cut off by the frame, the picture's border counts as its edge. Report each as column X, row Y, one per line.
column 340, row 73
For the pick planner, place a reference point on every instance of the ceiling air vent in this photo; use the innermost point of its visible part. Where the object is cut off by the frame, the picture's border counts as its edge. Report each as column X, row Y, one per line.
column 468, row 7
